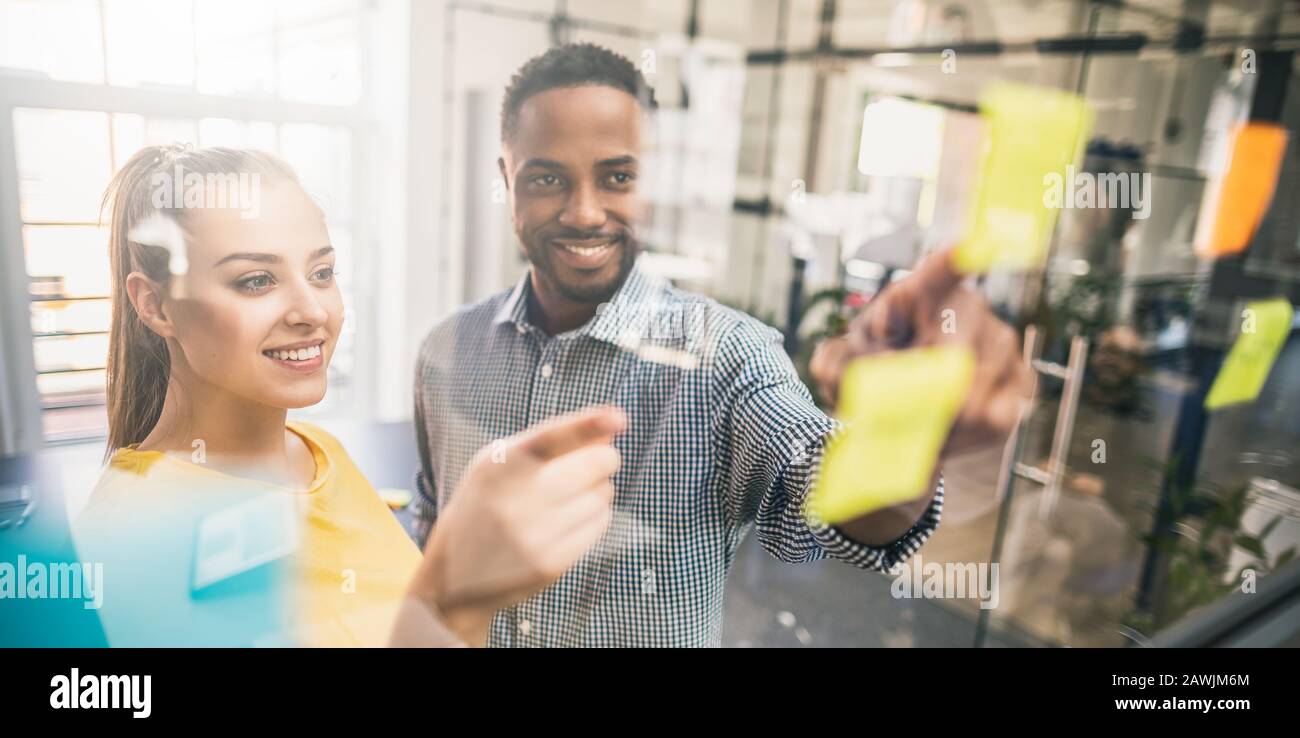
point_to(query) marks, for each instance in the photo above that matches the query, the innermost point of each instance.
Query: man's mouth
(299, 353)
(586, 253)
(586, 247)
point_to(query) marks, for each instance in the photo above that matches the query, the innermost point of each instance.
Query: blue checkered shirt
(722, 437)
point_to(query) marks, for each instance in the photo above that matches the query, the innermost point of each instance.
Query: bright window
(280, 50)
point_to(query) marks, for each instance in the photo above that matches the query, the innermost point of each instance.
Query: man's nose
(584, 210)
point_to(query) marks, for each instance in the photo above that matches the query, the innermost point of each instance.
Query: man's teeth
(302, 354)
(587, 250)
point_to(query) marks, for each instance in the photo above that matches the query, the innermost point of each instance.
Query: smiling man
(722, 437)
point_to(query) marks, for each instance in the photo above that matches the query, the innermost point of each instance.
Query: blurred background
(806, 154)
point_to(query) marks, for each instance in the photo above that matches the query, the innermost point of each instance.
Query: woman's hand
(525, 511)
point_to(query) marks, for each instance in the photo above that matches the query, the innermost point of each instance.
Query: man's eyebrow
(544, 164)
(617, 161)
(269, 258)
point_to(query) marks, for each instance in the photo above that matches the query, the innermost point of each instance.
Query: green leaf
(1251, 544)
(1284, 557)
(1269, 528)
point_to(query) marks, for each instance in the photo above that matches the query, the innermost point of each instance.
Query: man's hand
(524, 512)
(914, 312)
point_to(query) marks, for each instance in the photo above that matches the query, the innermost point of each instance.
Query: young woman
(225, 316)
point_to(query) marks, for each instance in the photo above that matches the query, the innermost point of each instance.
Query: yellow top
(193, 556)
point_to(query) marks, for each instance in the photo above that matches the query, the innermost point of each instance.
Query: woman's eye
(324, 274)
(255, 283)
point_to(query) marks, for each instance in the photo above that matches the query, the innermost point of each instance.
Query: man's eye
(546, 180)
(255, 283)
(622, 178)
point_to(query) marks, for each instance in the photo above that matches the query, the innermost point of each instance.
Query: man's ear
(501, 165)
(146, 297)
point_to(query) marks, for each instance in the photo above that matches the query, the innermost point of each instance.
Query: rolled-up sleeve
(771, 438)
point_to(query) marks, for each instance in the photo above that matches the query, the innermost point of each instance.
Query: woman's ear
(146, 297)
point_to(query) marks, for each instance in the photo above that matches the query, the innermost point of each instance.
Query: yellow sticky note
(1034, 135)
(897, 409)
(1265, 327)
(1240, 195)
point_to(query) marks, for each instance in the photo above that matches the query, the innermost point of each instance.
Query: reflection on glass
(64, 353)
(71, 423)
(321, 63)
(57, 38)
(67, 261)
(63, 316)
(63, 386)
(295, 13)
(238, 134)
(236, 49)
(140, 54)
(133, 132)
(63, 164)
(322, 156)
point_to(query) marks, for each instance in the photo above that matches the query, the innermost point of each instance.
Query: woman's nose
(307, 307)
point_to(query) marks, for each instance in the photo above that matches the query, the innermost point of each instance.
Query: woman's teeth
(302, 354)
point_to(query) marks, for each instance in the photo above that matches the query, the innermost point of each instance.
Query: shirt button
(525, 627)
(547, 371)
(519, 328)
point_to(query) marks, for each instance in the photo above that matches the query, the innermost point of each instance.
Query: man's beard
(590, 290)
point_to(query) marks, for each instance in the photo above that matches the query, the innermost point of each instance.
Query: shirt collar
(613, 318)
(515, 308)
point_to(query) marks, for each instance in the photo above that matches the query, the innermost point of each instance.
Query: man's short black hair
(572, 65)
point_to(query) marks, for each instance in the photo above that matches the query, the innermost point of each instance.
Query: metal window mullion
(20, 414)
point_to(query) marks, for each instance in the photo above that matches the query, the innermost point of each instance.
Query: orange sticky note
(1240, 195)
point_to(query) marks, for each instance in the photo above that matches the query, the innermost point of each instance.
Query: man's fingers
(936, 275)
(1000, 392)
(570, 474)
(894, 319)
(562, 534)
(827, 365)
(579, 539)
(595, 504)
(565, 433)
(887, 320)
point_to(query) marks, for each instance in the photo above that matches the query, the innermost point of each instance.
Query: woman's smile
(304, 357)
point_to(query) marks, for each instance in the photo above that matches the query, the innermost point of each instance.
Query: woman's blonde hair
(139, 366)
